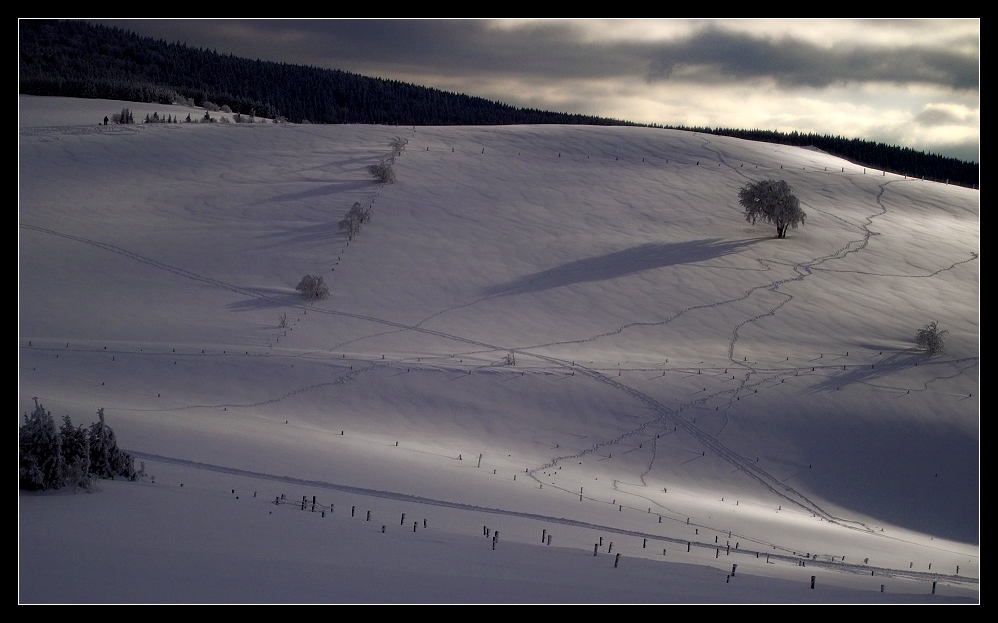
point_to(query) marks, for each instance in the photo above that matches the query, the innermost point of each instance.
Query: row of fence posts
(546, 538)
(353, 510)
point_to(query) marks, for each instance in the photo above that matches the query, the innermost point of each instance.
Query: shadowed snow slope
(543, 330)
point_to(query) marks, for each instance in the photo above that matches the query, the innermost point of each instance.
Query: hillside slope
(669, 356)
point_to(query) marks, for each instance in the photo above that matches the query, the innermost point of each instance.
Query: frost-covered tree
(357, 216)
(384, 171)
(106, 459)
(50, 458)
(398, 145)
(75, 454)
(39, 451)
(313, 287)
(350, 225)
(930, 339)
(774, 202)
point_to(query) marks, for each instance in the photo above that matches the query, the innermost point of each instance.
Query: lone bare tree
(774, 202)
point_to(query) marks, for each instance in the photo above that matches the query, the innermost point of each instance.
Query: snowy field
(544, 331)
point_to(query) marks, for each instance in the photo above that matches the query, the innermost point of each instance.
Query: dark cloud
(716, 55)
(382, 47)
(557, 50)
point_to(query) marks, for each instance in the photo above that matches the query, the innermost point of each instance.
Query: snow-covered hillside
(685, 385)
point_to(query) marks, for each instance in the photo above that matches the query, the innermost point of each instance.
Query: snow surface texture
(686, 386)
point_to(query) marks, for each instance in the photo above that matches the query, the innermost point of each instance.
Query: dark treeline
(79, 59)
(899, 160)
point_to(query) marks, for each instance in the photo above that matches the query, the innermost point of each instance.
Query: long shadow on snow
(920, 476)
(890, 364)
(621, 263)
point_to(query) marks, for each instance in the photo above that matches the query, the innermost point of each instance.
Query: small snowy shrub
(930, 339)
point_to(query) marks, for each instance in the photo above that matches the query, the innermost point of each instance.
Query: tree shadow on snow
(862, 373)
(268, 298)
(621, 264)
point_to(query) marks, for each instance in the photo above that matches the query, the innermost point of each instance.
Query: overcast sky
(914, 83)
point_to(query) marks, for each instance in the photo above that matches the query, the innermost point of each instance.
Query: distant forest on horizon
(79, 59)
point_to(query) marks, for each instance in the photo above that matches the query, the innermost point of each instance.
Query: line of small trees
(354, 219)
(50, 458)
(384, 171)
(125, 116)
(155, 118)
(313, 287)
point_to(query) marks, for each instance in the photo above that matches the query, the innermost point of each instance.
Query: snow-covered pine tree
(106, 460)
(39, 451)
(75, 454)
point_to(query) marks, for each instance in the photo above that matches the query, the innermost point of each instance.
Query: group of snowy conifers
(69, 456)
